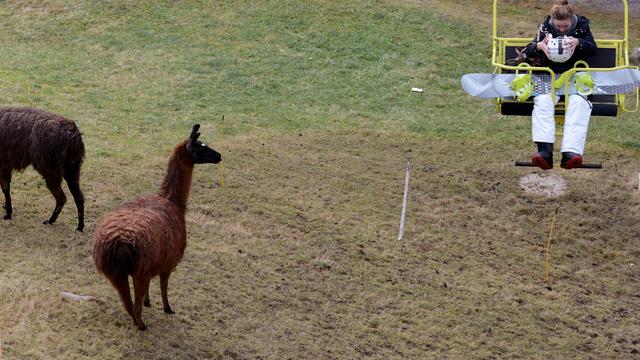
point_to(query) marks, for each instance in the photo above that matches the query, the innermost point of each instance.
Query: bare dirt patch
(544, 184)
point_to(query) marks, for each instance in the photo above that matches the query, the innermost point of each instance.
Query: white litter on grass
(73, 297)
(417, 90)
(544, 185)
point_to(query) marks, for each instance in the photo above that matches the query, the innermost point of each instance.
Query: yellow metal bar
(622, 67)
(626, 32)
(604, 43)
(495, 30)
(624, 104)
(531, 69)
(574, 70)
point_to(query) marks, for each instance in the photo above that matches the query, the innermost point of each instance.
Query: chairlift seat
(603, 105)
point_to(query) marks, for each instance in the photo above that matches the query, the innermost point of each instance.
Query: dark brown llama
(51, 144)
(147, 236)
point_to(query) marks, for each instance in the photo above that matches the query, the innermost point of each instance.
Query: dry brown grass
(297, 257)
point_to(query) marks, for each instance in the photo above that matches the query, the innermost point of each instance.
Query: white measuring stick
(404, 200)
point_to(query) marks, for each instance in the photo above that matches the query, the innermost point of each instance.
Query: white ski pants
(576, 122)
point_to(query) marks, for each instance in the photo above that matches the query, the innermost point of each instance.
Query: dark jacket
(580, 31)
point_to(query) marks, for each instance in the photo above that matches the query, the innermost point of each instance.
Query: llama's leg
(54, 185)
(146, 302)
(164, 282)
(140, 287)
(122, 285)
(5, 184)
(72, 176)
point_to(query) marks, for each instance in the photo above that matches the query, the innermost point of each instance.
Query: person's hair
(561, 10)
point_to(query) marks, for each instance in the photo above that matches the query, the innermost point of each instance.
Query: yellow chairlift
(612, 54)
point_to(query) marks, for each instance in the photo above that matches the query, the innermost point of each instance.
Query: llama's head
(198, 151)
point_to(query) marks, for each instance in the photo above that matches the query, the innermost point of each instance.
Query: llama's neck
(177, 182)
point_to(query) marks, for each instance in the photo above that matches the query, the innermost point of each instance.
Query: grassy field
(297, 256)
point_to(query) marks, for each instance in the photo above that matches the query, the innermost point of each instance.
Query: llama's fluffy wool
(50, 143)
(146, 237)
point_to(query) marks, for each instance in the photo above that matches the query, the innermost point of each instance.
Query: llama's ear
(194, 132)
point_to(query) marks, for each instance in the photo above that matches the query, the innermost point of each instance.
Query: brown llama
(52, 145)
(146, 237)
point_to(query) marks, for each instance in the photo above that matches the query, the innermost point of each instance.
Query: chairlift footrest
(583, 166)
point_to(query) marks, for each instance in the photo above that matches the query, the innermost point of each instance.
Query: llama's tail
(116, 258)
(75, 146)
(72, 165)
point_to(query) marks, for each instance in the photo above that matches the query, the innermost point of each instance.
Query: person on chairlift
(562, 39)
